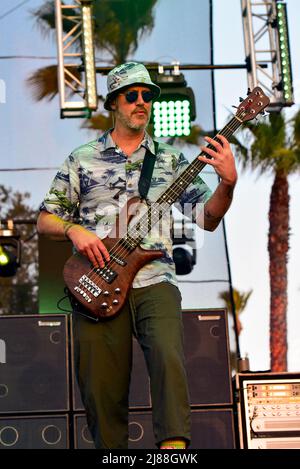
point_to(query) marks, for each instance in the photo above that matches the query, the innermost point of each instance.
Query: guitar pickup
(118, 260)
(107, 274)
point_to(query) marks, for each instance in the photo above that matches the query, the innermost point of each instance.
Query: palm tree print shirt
(97, 179)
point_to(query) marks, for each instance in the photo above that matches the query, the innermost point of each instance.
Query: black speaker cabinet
(82, 435)
(139, 429)
(33, 364)
(206, 350)
(139, 394)
(34, 432)
(211, 429)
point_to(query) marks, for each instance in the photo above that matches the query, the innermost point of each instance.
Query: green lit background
(52, 257)
(174, 111)
(283, 37)
(172, 118)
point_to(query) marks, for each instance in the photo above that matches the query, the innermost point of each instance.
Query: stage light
(10, 251)
(88, 55)
(174, 110)
(4, 257)
(184, 259)
(284, 52)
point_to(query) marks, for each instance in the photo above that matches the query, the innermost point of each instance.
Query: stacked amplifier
(40, 404)
(209, 379)
(34, 382)
(269, 410)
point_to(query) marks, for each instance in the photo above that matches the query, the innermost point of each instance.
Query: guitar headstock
(253, 105)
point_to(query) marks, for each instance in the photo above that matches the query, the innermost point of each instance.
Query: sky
(32, 127)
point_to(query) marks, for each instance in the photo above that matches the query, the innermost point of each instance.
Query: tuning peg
(241, 99)
(248, 92)
(235, 107)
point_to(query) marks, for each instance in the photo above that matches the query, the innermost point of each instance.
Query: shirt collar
(148, 143)
(106, 142)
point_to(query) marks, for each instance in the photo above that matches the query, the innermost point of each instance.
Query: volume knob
(104, 305)
(117, 290)
(115, 302)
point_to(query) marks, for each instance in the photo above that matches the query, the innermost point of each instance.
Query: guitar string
(187, 178)
(164, 199)
(119, 250)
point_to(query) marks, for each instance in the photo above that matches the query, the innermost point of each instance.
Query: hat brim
(113, 94)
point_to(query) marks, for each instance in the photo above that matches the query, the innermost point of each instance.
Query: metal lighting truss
(78, 94)
(263, 45)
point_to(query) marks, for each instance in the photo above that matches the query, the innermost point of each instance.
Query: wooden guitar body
(103, 292)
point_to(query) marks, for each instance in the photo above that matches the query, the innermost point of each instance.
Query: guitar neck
(156, 211)
(189, 174)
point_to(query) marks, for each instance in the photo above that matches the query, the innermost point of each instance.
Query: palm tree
(240, 302)
(118, 27)
(275, 148)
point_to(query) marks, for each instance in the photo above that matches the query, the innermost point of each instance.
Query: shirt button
(129, 161)
(129, 184)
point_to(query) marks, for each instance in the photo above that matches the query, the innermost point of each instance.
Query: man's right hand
(89, 245)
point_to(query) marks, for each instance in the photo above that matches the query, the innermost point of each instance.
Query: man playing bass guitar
(94, 181)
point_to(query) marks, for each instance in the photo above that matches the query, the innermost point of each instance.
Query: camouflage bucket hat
(125, 75)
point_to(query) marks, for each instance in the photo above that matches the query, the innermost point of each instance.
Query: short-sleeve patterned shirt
(97, 179)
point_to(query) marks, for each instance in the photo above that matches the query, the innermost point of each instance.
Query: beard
(130, 121)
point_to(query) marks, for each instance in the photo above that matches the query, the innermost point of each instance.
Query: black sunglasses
(132, 96)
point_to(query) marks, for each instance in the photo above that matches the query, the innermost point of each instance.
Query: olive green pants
(103, 359)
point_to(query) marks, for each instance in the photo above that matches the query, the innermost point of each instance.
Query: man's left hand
(222, 159)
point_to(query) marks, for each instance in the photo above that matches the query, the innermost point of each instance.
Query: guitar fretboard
(158, 209)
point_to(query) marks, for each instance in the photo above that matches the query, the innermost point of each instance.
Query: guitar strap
(147, 171)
